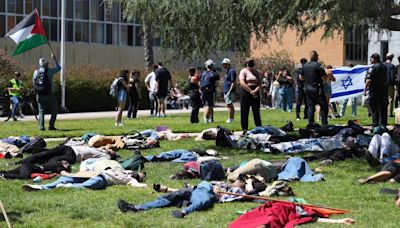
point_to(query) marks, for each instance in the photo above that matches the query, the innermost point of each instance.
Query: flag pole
(62, 56)
(5, 214)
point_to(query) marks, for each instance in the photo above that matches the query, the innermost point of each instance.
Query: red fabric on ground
(275, 215)
(44, 176)
(1, 156)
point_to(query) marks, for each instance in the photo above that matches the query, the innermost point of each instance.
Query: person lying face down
(25, 170)
(94, 181)
(71, 154)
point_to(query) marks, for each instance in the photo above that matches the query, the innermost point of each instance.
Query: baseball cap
(389, 55)
(209, 63)
(226, 61)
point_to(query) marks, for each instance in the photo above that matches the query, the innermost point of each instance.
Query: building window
(69, 8)
(46, 8)
(138, 36)
(82, 9)
(19, 6)
(97, 33)
(69, 31)
(124, 35)
(50, 28)
(28, 6)
(112, 14)
(109, 34)
(10, 22)
(81, 32)
(10, 6)
(130, 35)
(356, 43)
(97, 10)
(2, 6)
(2, 25)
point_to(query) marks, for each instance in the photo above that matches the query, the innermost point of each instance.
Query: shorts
(208, 99)
(392, 167)
(162, 94)
(122, 96)
(229, 97)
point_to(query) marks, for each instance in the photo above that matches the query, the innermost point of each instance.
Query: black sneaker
(126, 207)
(52, 129)
(373, 162)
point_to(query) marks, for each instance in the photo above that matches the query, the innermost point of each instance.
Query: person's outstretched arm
(347, 221)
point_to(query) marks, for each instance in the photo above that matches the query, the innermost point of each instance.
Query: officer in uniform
(313, 74)
(376, 86)
(14, 91)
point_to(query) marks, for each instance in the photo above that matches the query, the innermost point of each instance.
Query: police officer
(14, 88)
(313, 75)
(376, 84)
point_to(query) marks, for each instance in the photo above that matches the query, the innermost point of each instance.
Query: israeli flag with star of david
(350, 82)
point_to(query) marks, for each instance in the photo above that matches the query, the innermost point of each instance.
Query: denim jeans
(149, 133)
(286, 97)
(353, 106)
(94, 183)
(47, 101)
(15, 104)
(174, 156)
(297, 169)
(153, 103)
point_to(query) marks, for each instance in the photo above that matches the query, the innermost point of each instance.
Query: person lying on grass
(93, 180)
(392, 192)
(25, 170)
(191, 199)
(389, 172)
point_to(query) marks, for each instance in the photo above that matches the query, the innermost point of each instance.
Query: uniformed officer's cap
(376, 56)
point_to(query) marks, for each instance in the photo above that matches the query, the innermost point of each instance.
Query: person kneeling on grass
(192, 199)
(94, 180)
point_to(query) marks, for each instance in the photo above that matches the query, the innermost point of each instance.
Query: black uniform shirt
(377, 73)
(313, 73)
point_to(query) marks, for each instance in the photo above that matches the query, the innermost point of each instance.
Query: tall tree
(197, 28)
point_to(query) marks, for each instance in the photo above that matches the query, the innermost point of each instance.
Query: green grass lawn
(178, 123)
(87, 208)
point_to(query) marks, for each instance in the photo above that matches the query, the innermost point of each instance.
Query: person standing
(194, 93)
(14, 88)
(150, 83)
(328, 89)
(163, 78)
(45, 92)
(207, 87)
(397, 84)
(391, 70)
(229, 88)
(301, 96)
(265, 88)
(376, 85)
(122, 97)
(313, 75)
(134, 95)
(286, 90)
(345, 101)
(274, 91)
(250, 83)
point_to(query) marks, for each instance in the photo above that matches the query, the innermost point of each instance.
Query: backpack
(223, 138)
(211, 170)
(42, 83)
(135, 163)
(114, 87)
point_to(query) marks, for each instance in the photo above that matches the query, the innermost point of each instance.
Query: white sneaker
(210, 121)
(229, 121)
(297, 119)
(31, 187)
(61, 185)
(205, 120)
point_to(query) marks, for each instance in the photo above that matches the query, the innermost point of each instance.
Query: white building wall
(375, 44)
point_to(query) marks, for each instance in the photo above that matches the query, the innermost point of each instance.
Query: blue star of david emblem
(347, 83)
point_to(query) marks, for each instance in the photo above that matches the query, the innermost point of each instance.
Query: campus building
(385, 42)
(349, 46)
(95, 35)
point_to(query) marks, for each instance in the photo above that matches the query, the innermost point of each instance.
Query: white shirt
(152, 79)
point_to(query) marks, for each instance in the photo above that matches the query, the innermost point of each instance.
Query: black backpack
(211, 170)
(35, 146)
(42, 83)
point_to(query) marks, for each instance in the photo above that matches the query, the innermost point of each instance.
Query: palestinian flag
(28, 34)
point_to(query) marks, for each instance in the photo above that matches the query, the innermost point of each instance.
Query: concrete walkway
(111, 114)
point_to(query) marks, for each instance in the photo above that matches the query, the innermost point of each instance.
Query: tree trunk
(148, 45)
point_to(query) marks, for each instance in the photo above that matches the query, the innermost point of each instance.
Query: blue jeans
(149, 133)
(15, 104)
(353, 106)
(286, 97)
(173, 155)
(94, 183)
(47, 101)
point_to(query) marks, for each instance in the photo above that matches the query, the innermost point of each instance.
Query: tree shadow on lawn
(13, 216)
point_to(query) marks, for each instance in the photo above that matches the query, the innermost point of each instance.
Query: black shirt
(313, 73)
(297, 74)
(284, 82)
(162, 78)
(390, 73)
(378, 76)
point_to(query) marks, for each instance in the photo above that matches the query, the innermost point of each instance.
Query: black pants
(378, 106)
(23, 171)
(301, 97)
(316, 96)
(133, 107)
(178, 197)
(334, 155)
(196, 104)
(246, 101)
(59, 153)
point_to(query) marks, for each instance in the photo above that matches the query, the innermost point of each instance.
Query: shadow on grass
(14, 217)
